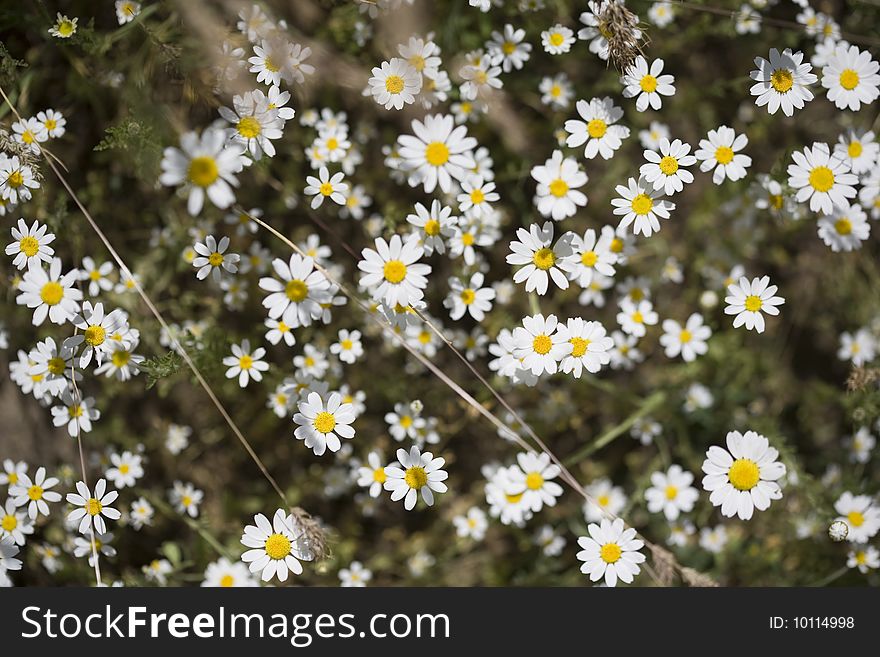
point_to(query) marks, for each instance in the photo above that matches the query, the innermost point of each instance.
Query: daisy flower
(859, 149)
(589, 346)
(126, 469)
(557, 194)
(665, 169)
(610, 551)
(645, 429)
(557, 40)
(720, 151)
(393, 272)
(743, 477)
(671, 492)
(16, 180)
(53, 122)
(556, 91)
(477, 196)
(395, 83)
(437, 154)
(531, 478)
(646, 84)
(123, 363)
(851, 78)
(97, 276)
(97, 334)
(713, 539)
(326, 186)
(640, 204)
(860, 445)
(30, 245)
(597, 129)
(213, 259)
(782, 82)
(319, 423)
(436, 224)
(276, 548)
(355, 575)
(35, 493)
(661, 14)
(538, 345)
(864, 560)
(298, 297)
(748, 300)
(50, 293)
(127, 11)
(473, 524)
(860, 348)
(861, 515)
(92, 509)
(846, 229)
(64, 27)
(52, 365)
(225, 574)
(689, 340)
(348, 348)
(11, 472)
(592, 257)
(75, 412)
(651, 137)
(822, 178)
(206, 165)
(508, 49)
(245, 364)
(532, 248)
(14, 524)
(254, 123)
(635, 316)
(415, 473)
(29, 132)
(186, 498)
(470, 297)
(372, 475)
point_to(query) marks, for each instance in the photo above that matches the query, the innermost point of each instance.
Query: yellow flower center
(52, 293)
(685, 336)
(379, 475)
(35, 493)
(648, 84)
(555, 91)
(9, 523)
(66, 28)
(432, 227)
(556, 39)
(782, 80)
(610, 552)
(596, 128)
(203, 171)
(227, 581)
(93, 506)
(13, 478)
(534, 481)
(270, 65)
(95, 335)
(28, 137)
(744, 474)
(418, 62)
(508, 47)
(249, 127)
(513, 499)
(477, 196)
(559, 188)
(406, 421)
(617, 244)
(668, 165)
(120, 358)
(723, 154)
(296, 290)
(15, 179)
(542, 344)
(855, 149)
(468, 296)
(637, 317)
(544, 258)
(245, 362)
(821, 179)
(642, 204)
(75, 411)
(753, 303)
(394, 271)
(579, 346)
(347, 345)
(124, 468)
(849, 79)
(855, 518)
(324, 422)
(394, 84)
(326, 189)
(467, 239)
(50, 124)
(277, 546)
(436, 153)
(671, 492)
(415, 477)
(29, 246)
(843, 226)
(56, 366)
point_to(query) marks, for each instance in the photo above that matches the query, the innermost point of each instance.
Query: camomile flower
(477, 197)
(665, 169)
(392, 270)
(661, 13)
(53, 122)
(11, 472)
(206, 165)
(646, 84)
(35, 493)
(860, 348)
(556, 91)
(651, 137)
(470, 297)
(212, 258)
(859, 149)
(348, 347)
(434, 225)
(92, 509)
(254, 123)
(538, 344)
(372, 475)
(592, 257)
(860, 445)
(97, 334)
(276, 548)
(671, 492)
(743, 477)
(413, 474)
(75, 412)
(223, 573)
(846, 229)
(611, 551)
(30, 245)
(123, 363)
(640, 205)
(782, 82)
(688, 341)
(355, 575)
(823, 179)
(861, 515)
(635, 316)
(126, 469)
(422, 54)
(14, 524)
(298, 297)
(531, 478)
(557, 40)
(437, 154)
(721, 153)
(541, 261)
(865, 560)
(321, 425)
(851, 78)
(246, 364)
(50, 294)
(589, 346)
(186, 498)
(16, 180)
(51, 367)
(508, 49)
(325, 186)
(472, 524)
(127, 11)
(29, 132)
(557, 195)
(645, 429)
(597, 129)
(748, 300)
(98, 276)
(395, 83)
(64, 27)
